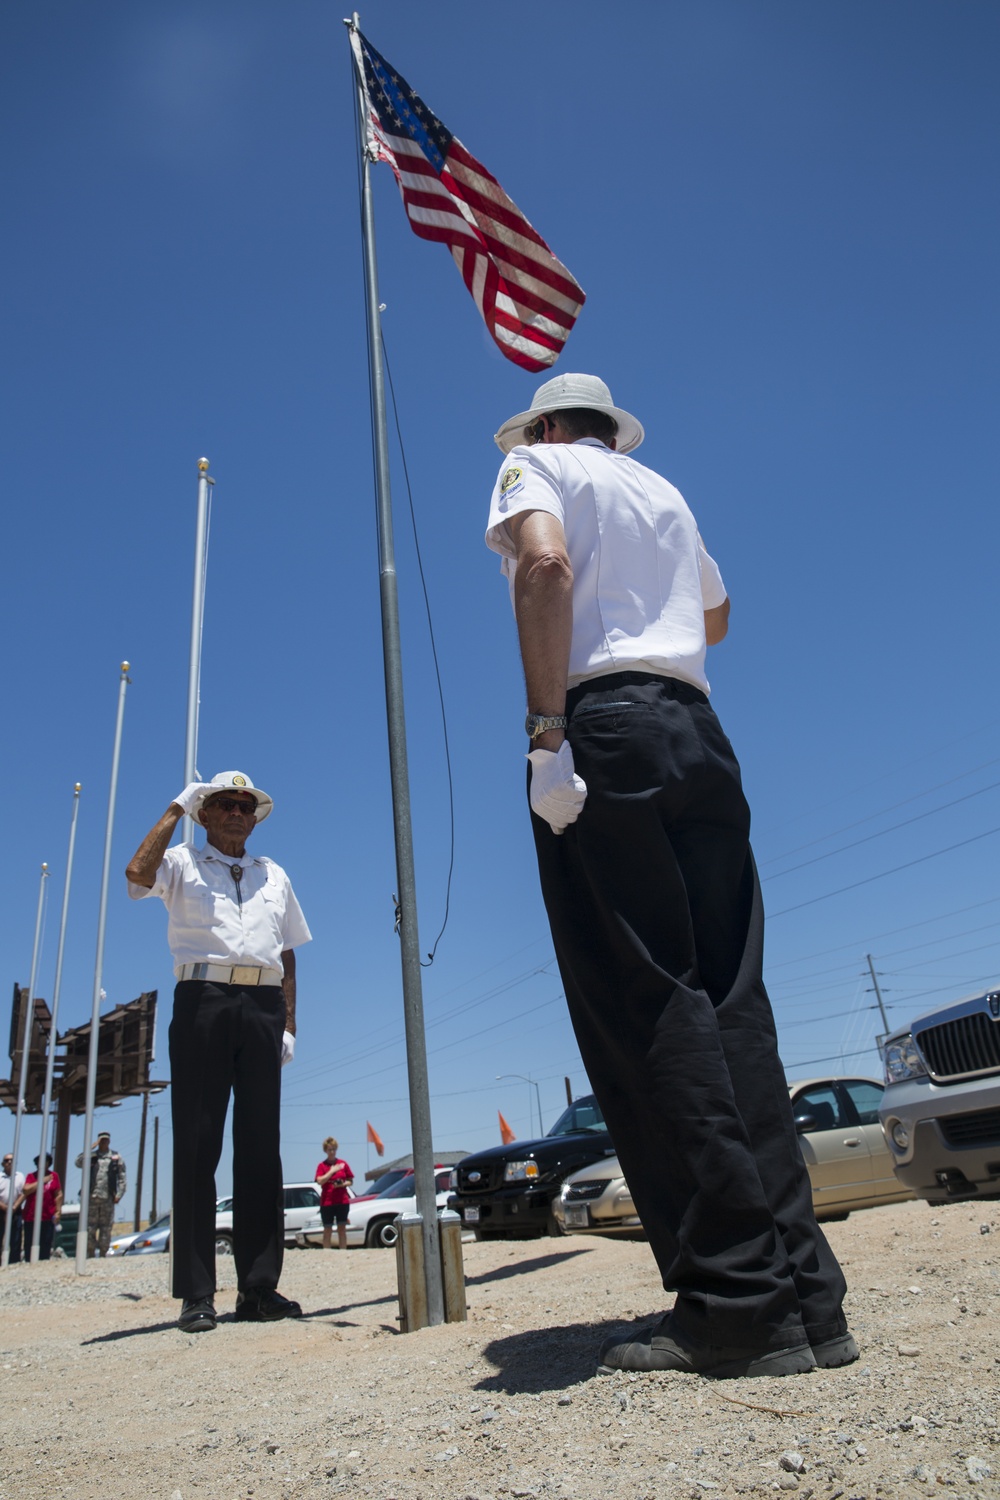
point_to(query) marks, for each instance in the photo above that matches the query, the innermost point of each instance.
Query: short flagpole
(95, 1009)
(197, 631)
(50, 1060)
(413, 1008)
(29, 1013)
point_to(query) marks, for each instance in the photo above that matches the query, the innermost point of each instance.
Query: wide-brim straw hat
(236, 781)
(563, 393)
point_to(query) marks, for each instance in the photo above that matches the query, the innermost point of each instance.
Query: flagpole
(29, 1012)
(413, 1009)
(197, 631)
(95, 1009)
(50, 1060)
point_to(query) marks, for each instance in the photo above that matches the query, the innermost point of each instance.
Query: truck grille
(962, 1048)
(978, 1128)
(487, 1176)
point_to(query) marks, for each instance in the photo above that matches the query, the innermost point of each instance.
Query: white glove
(557, 794)
(287, 1047)
(189, 797)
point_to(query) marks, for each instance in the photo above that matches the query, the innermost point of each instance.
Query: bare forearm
(146, 860)
(288, 986)
(543, 608)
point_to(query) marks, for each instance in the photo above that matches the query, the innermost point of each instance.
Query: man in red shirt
(334, 1177)
(52, 1202)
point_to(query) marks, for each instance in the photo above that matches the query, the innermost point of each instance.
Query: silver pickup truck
(941, 1108)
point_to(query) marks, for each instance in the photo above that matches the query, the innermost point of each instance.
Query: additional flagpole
(29, 1012)
(50, 1060)
(95, 1009)
(197, 630)
(413, 1008)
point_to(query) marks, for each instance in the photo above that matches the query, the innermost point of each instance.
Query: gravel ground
(103, 1397)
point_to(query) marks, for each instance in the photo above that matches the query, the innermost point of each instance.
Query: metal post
(197, 630)
(95, 1008)
(153, 1214)
(142, 1158)
(50, 1059)
(29, 1016)
(416, 1048)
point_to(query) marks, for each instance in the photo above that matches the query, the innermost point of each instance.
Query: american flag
(528, 299)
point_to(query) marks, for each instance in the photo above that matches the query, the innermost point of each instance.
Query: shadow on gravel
(128, 1333)
(519, 1268)
(226, 1318)
(546, 1359)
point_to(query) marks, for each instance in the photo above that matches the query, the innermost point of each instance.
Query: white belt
(245, 974)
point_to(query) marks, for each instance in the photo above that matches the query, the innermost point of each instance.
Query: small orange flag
(506, 1134)
(375, 1138)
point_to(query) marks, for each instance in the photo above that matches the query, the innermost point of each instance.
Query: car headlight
(902, 1061)
(453, 1180)
(520, 1171)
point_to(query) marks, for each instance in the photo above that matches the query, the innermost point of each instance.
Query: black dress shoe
(264, 1306)
(197, 1315)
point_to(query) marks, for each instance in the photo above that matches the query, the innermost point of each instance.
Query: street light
(525, 1079)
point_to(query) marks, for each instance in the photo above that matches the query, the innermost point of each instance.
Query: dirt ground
(104, 1398)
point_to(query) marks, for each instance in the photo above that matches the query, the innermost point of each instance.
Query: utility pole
(878, 997)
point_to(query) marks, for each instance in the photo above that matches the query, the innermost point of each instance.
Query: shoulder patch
(512, 477)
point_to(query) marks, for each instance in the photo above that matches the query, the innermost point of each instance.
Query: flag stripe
(526, 296)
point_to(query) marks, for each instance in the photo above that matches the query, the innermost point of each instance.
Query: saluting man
(642, 835)
(234, 923)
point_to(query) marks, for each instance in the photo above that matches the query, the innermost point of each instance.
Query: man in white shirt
(642, 836)
(11, 1199)
(234, 923)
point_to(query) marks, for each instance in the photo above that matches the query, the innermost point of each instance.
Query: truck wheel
(382, 1235)
(553, 1228)
(223, 1244)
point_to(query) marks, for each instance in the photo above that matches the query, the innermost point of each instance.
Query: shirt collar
(209, 851)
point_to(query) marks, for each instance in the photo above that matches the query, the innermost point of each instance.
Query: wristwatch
(536, 724)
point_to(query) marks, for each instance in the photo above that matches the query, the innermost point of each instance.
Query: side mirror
(805, 1123)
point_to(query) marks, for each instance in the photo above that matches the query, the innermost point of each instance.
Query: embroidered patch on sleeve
(513, 476)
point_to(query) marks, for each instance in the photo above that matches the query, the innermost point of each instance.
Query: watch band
(536, 724)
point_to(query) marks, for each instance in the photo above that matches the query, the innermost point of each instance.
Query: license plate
(577, 1216)
(470, 1215)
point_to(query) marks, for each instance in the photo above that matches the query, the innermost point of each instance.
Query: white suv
(301, 1204)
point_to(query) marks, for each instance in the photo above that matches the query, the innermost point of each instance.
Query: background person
(107, 1188)
(233, 926)
(11, 1189)
(642, 836)
(52, 1202)
(334, 1177)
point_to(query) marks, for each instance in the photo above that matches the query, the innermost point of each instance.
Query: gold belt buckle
(245, 975)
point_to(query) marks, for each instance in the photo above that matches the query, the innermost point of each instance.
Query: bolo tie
(236, 871)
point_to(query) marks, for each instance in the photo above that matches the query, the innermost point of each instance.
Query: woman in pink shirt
(334, 1177)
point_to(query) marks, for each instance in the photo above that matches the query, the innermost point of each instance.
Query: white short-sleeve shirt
(207, 923)
(642, 578)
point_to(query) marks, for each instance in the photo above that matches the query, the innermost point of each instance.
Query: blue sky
(785, 218)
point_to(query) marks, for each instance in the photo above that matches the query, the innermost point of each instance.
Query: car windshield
(583, 1116)
(386, 1181)
(402, 1189)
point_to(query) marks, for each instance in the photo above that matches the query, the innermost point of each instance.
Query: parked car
(156, 1237)
(508, 1192)
(69, 1223)
(849, 1163)
(941, 1106)
(301, 1204)
(372, 1221)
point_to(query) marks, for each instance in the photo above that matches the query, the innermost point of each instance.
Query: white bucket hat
(236, 781)
(563, 393)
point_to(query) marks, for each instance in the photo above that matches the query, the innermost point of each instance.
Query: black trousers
(224, 1040)
(46, 1236)
(658, 926)
(15, 1234)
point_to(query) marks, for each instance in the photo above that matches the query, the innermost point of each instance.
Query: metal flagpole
(197, 630)
(50, 1060)
(29, 1013)
(95, 1009)
(413, 1006)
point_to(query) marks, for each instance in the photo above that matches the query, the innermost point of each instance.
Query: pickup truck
(941, 1108)
(507, 1191)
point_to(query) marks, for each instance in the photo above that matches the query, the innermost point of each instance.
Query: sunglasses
(232, 804)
